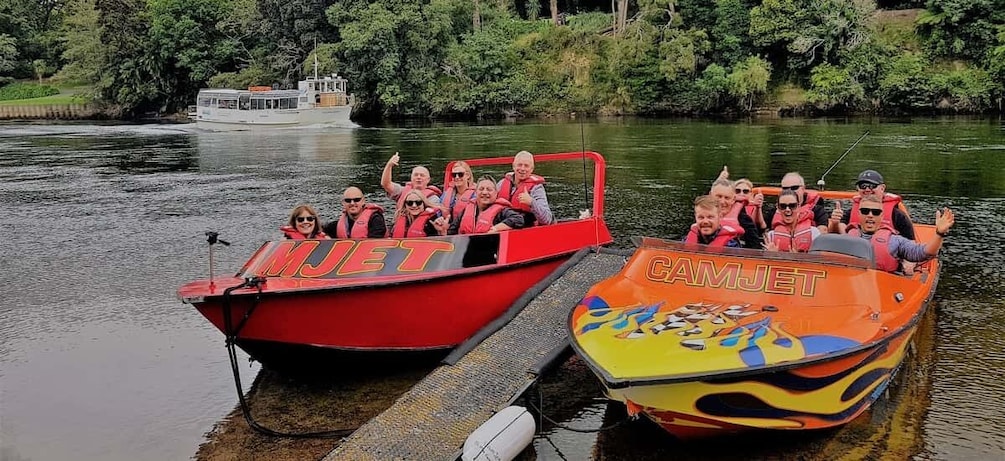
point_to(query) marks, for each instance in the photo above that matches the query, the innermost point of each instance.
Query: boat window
(204, 102)
(244, 102)
(284, 103)
(268, 104)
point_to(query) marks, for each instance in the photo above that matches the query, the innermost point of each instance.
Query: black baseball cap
(870, 176)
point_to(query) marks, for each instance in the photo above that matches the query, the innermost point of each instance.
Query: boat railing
(599, 171)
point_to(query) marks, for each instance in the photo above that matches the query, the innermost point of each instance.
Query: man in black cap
(871, 182)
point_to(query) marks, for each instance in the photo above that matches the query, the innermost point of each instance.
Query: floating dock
(432, 420)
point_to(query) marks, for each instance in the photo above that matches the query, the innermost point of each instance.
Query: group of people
(463, 206)
(733, 215)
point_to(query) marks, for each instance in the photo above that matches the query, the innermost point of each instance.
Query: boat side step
(432, 420)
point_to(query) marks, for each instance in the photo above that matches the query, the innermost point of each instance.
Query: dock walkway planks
(432, 420)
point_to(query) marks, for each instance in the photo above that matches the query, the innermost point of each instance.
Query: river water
(102, 223)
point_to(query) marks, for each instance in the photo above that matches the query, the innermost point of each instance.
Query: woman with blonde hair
(416, 217)
(303, 224)
(460, 191)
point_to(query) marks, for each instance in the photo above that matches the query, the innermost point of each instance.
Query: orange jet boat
(706, 341)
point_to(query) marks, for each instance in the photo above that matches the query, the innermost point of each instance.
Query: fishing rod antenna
(821, 183)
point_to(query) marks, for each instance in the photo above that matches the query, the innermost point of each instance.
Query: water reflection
(98, 360)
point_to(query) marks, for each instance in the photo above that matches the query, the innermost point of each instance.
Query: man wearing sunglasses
(359, 219)
(892, 250)
(419, 181)
(808, 201)
(870, 182)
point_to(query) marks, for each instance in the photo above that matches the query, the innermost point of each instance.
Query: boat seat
(843, 244)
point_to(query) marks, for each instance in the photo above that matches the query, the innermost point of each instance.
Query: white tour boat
(315, 101)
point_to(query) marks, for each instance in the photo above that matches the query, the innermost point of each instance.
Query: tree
(832, 87)
(81, 36)
(8, 53)
(392, 50)
(749, 80)
(803, 33)
(961, 28)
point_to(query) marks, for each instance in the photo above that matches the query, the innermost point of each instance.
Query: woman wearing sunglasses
(794, 231)
(416, 216)
(303, 224)
(460, 191)
(751, 201)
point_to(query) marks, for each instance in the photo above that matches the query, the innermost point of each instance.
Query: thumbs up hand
(838, 213)
(724, 174)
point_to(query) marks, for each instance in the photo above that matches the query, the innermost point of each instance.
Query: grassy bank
(68, 94)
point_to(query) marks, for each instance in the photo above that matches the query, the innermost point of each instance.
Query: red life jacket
(294, 234)
(801, 239)
(483, 222)
(880, 247)
(890, 201)
(811, 201)
(732, 218)
(416, 229)
(458, 206)
(751, 209)
(361, 227)
(429, 192)
(507, 192)
(725, 234)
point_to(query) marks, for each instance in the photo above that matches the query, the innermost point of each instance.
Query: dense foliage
(477, 58)
(26, 91)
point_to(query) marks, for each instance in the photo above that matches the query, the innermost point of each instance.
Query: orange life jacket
(890, 201)
(799, 240)
(416, 229)
(723, 236)
(361, 227)
(293, 234)
(510, 194)
(457, 206)
(880, 247)
(430, 191)
(732, 218)
(470, 224)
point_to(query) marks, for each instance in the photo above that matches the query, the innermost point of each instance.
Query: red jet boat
(386, 299)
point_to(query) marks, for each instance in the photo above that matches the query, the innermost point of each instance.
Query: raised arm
(385, 177)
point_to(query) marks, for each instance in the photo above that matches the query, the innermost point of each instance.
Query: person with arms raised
(890, 249)
(733, 214)
(870, 182)
(419, 181)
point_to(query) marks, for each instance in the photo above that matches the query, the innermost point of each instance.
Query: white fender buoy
(502, 437)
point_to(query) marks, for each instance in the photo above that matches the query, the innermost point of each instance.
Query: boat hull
(213, 119)
(818, 396)
(409, 316)
(713, 341)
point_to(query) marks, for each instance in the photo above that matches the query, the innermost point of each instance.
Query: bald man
(359, 219)
(418, 181)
